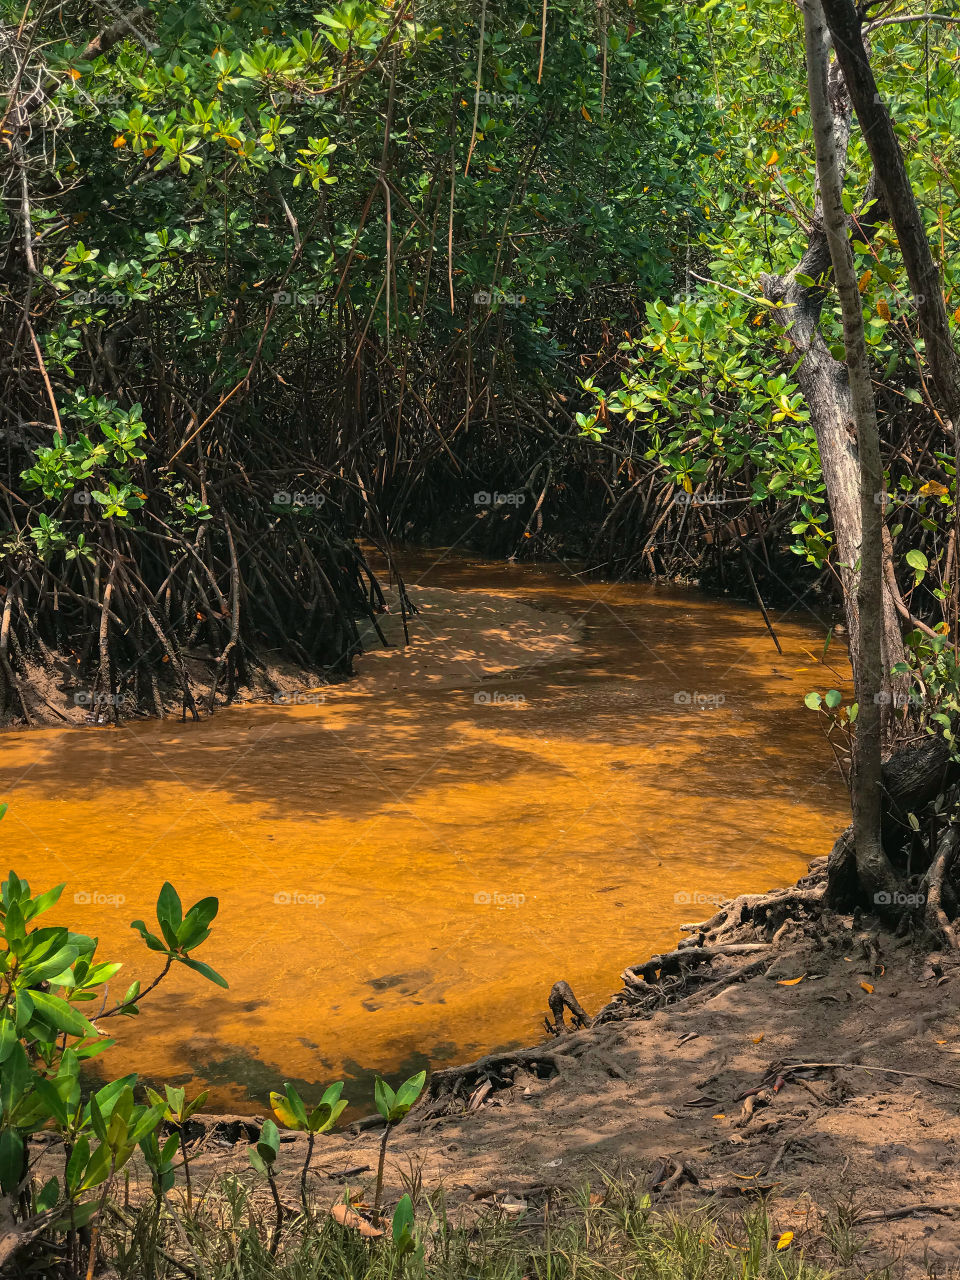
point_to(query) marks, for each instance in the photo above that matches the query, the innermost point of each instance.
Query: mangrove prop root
(561, 997)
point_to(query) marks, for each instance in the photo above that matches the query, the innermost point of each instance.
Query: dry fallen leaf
(721, 1115)
(791, 982)
(757, 1039)
(784, 1239)
(343, 1214)
(867, 987)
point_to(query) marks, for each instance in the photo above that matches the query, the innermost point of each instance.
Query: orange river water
(546, 784)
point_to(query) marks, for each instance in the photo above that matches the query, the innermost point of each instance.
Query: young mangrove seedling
(159, 1161)
(263, 1157)
(177, 1111)
(292, 1111)
(393, 1107)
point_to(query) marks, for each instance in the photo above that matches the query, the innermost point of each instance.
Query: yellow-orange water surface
(552, 779)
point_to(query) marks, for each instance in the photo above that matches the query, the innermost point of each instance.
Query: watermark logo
(88, 698)
(690, 98)
(299, 699)
(491, 698)
(499, 899)
(486, 297)
(484, 499)
(904, 498)
(294, 898)
(282, 298)
(695, 898)
(282, 498)
(485, 99)
(897, 699)
(701, 700)
(91, 298)
(684, 499)
(94, 898)
(898, 899)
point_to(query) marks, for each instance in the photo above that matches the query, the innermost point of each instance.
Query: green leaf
(199, 967)
(403, 1223)
(15, 1079)
(48, 1195)
(833, 698)
(152, 941)
(813, 701)
(269, 1144)
(296, 1103)
(57, 1013)
(384, 1097)
(8, 1038)
(169, 913)
(97, 1120)
(77, 1162)
(11, 1160)
(410, 1090)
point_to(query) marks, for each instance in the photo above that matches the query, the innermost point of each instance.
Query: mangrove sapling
(159, 1161)
(176, 1112)
(393, 1107)
(291, 1111)
(263, 1157)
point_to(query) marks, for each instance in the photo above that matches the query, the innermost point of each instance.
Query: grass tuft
(614, 1234)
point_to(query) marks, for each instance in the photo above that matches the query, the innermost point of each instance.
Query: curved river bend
(547, 784)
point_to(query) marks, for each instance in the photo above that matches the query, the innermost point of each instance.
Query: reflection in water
(554, 778)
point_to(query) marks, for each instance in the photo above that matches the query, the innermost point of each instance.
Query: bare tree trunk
(873, 867)
(826, 390)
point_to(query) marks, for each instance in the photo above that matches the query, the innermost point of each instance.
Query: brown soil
(871, 1129)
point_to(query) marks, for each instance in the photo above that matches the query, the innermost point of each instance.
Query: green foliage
(291, 1109)
(394, 1106)
(403, 1227)
(707, 393)
(263, 1154)
(182, 933)
(47, 975)
(252, 222)
(933, 672)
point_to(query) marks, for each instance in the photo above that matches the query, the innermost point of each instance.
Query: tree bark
(823, 381)
(873, 867)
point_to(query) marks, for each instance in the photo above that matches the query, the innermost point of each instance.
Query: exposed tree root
(451, 1088)
(562, 997)
(939, 870)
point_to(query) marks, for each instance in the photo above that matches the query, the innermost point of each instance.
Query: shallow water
(547, 786)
